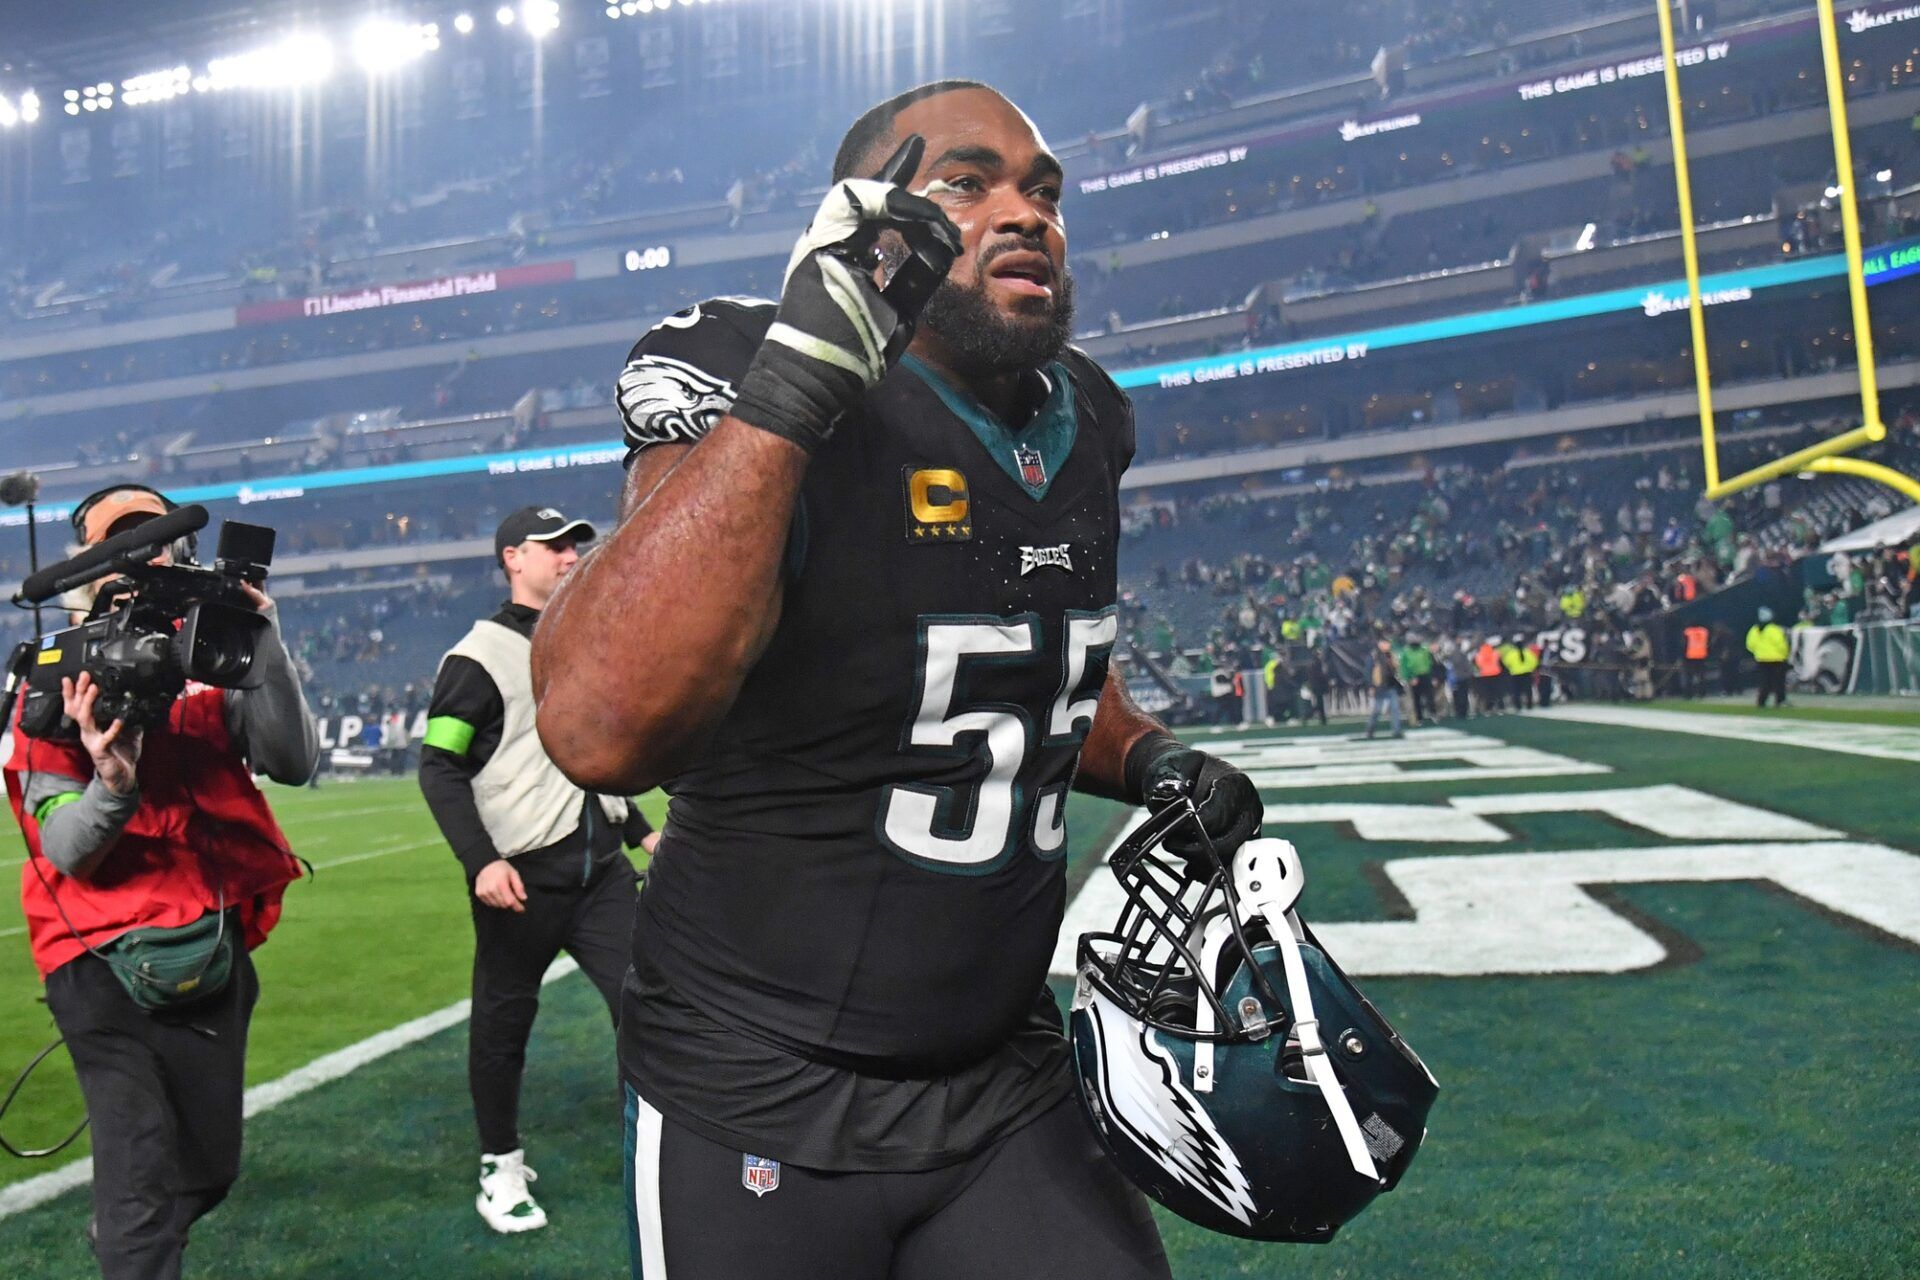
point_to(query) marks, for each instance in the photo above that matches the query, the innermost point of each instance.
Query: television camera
(153, 627)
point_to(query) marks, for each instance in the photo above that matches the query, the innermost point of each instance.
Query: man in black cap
(543, 857)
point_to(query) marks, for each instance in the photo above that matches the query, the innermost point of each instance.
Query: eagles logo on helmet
(1232, 1070)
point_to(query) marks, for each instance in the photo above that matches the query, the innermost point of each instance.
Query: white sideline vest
(525, 802)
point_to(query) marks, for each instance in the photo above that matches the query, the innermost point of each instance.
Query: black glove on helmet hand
(1160, 769)
(836, 332)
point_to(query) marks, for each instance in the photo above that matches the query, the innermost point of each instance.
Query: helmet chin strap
(1267, 879)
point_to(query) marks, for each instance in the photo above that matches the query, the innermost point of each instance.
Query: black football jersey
(865, 865)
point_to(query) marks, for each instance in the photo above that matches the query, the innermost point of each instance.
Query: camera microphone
(138, 544)
(19, 488)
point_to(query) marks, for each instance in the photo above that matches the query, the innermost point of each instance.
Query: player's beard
(981, 339)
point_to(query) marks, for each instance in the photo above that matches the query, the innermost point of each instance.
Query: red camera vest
(202, 835)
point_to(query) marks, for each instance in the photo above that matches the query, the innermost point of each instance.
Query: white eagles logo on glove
(667, 401)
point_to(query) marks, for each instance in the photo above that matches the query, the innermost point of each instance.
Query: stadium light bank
(378, 46)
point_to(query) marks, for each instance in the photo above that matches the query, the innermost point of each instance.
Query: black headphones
(185, 550)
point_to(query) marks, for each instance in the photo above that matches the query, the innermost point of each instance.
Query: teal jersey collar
(1046, 442)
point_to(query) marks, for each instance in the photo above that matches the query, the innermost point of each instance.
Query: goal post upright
(1683, 186)
(1820, 457)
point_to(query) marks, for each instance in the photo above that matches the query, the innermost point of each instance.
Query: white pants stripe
(646, 1190)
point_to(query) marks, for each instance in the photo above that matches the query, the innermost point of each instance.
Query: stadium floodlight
(73, 108)
(540, 16)
(381, 44)
(8, 116)
(91, 104)
(297, 60)
(155, 86)
(613, 11)
(463, 23)
(73, 95)
(504, 15)
(29, 106)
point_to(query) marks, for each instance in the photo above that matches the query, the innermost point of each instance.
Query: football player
(858, 618)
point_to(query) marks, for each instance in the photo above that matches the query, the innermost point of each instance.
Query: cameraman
(156, 831)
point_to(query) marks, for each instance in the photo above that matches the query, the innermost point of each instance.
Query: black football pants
(593, 923)
(163, 1093)
(1044, 1203)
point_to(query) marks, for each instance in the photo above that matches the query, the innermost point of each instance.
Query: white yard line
(1881, 741)
(36, 1191)
(328, 815)
(374, 853)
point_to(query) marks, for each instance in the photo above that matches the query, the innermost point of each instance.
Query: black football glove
(1162, 771)
(837, 332)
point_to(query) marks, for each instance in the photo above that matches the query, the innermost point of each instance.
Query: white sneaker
(504, 1200)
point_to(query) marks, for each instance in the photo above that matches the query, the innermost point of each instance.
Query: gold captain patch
(937, 506)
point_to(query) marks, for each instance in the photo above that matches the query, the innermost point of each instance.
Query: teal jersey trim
(1051, 433)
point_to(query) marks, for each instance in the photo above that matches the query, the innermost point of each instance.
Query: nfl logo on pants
(759, 1174)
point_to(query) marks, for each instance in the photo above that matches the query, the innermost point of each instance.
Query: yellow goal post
(1824, 456)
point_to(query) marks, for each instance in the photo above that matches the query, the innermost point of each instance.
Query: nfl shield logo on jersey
(759, 1174)
(1033, 468)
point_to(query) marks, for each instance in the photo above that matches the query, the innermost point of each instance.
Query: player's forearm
(1118, 725)
(644, 648)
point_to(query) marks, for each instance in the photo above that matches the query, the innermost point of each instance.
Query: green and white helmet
(1234, 1072)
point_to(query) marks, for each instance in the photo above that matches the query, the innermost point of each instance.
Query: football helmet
(1233, 1071)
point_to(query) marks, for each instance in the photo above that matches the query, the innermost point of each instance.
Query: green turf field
(1743, 1109)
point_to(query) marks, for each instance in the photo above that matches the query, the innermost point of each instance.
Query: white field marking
(287, 820)
(326, 815)
(1096, 906)
(315, 812)
(1418, 823)
(1679, 813)
(1881, 741)
(1280, 764)
(373, 853)
(318, 866)
(1530, 913)
(325, 1069)
(1295, 752)
(1475, 766)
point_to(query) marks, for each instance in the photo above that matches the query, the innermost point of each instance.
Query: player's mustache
(1020, 244)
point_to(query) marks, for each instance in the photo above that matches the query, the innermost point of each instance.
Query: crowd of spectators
(1464, 551)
